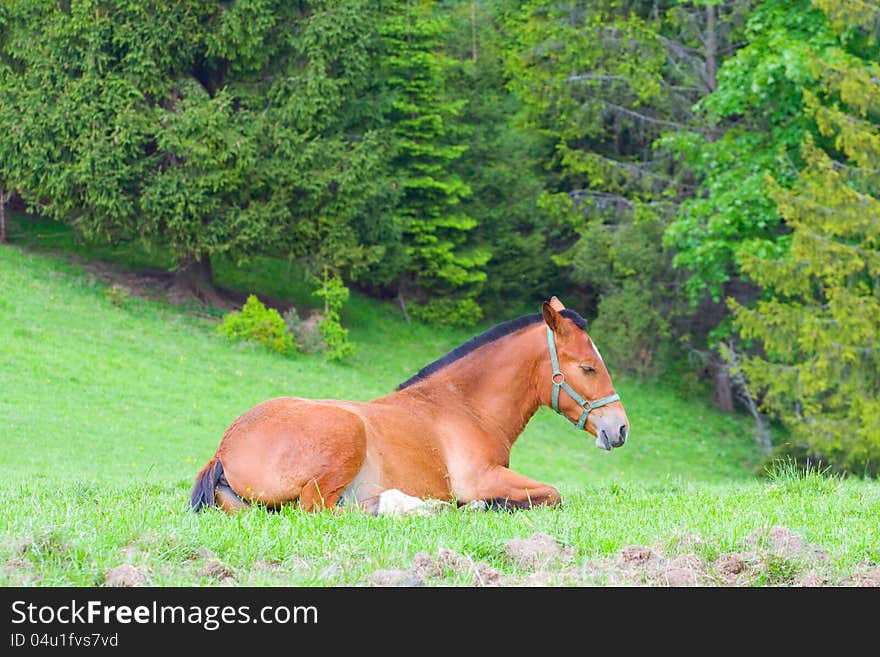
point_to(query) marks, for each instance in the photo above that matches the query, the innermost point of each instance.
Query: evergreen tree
(501, 163)
(210, 128)
(81, 92)
(819, 319)
(444, 270)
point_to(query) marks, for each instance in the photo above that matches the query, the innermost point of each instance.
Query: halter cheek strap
(558, 379)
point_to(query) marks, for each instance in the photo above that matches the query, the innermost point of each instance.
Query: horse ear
(556, 303)
(552, 317)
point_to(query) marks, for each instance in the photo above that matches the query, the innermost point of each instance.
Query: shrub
(256, 323)
(335, 294)
(117, 295)
(461, 313)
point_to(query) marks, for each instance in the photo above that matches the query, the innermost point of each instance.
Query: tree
(10, 153)
(199, 201)
(501, 163)
(208, 128)
(444, 270)
(756, 119)
(817, 321)
(603, 82)
(79, 98)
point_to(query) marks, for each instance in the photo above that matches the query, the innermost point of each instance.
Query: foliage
(602, 82)
(209, 128)
(335, 294)
(818, 320)
(117, 295)
(501, 164)
(441, 263)
(256, 323)
(756, 121)
(197, 202)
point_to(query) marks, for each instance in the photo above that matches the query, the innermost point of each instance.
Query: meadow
(109, 405)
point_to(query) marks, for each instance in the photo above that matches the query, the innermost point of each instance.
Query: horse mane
(491, 335)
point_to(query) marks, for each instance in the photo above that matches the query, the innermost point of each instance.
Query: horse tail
(206, 482)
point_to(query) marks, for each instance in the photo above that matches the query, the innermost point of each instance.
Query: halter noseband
(558, 379)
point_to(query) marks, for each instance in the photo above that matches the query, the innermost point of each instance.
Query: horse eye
(589, 369)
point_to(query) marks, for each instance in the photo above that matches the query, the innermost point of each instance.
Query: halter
(558, 379)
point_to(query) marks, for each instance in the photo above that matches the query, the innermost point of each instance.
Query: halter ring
(561, 380)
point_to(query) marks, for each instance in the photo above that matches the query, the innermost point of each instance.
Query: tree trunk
(762, 434)
(402, 301)
(474, 31)
(711, 48)
(4, 198)
(723, 389)
(194, 278)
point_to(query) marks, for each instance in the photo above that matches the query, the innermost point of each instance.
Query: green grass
(74, 534)
(108, 412)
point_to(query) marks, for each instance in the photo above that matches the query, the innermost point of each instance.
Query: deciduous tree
(818, 322)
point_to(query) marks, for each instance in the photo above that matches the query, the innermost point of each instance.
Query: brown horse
(446, 433)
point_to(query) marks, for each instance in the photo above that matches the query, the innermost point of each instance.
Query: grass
(74, 534)
(111, 405)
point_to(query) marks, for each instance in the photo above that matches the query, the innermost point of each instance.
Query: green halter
(558, 379)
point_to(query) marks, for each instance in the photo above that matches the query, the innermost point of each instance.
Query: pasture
(109, 407)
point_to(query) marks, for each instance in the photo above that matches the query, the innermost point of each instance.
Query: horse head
(580, 386)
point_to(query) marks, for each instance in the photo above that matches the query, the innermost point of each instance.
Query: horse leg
(324, 492)
(227, 499)
(308, 453)
(505, 489)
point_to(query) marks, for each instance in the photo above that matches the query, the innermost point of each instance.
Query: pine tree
(444, 271)
(501, 164)
(819, 321)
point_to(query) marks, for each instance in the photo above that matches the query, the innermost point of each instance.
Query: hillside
(109, 410)
(143, 391)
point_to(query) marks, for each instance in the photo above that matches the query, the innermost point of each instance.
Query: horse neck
(496, 384)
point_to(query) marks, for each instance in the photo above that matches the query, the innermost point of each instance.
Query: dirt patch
(449, 562)
(266, 565)
(812, 579)
(44, 544)
(537, 551)
(391, 577)
(644, 566)
(217, 570)
(124, 575)
(733, 568)
(162, 285)
(684, 570)
(21, 571)
(866, 575)
(637, 554)
(426, 568)
(149, 284)
(783, 543)
(730, 565)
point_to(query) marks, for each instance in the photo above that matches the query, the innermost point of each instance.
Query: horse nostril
(622, 433)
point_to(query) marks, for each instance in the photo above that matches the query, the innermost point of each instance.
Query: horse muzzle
(608, 437)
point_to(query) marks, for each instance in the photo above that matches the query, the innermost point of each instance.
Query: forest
(700, 178)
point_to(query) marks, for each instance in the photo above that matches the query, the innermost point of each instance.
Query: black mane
(494, 333)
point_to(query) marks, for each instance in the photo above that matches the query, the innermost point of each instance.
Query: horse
(445, 433)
